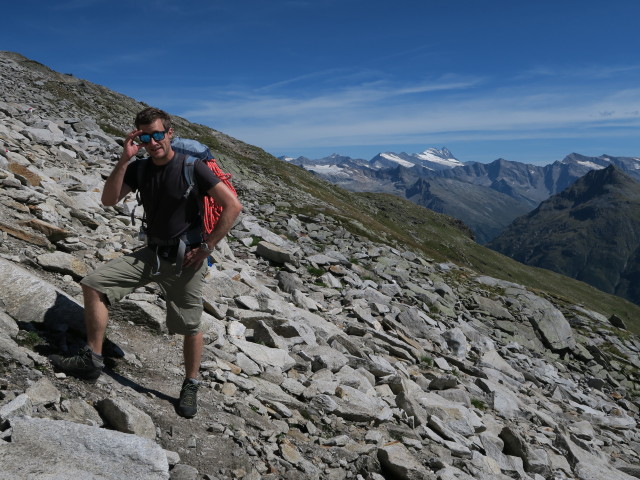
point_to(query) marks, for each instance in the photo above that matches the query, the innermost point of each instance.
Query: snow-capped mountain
(334, 165)
(631, 165)
(431, 159)
(339, 165)
(485, 196)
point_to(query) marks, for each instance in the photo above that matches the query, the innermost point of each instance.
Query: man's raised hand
(130, 148)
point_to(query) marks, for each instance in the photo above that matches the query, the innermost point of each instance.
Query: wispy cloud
(301, 78)
(349, 100)
(591, 72)
(437, 110)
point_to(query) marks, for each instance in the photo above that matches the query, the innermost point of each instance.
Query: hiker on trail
(175, 241)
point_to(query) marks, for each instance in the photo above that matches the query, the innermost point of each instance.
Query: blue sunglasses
(157, 136)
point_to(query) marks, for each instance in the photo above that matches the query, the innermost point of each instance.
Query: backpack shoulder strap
(189, 176)
(142, 166)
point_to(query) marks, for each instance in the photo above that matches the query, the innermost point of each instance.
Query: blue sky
(522, 80)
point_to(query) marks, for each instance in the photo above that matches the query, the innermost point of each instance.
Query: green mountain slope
(590, 232)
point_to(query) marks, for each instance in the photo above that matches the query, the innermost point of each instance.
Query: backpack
(194, 150)
(210, 211)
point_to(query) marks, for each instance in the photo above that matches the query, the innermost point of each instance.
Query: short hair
(150, 115)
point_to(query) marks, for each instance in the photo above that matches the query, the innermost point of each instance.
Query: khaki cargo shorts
(183, 293)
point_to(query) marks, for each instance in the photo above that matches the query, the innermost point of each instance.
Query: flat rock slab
(265, 355)
(44, 449)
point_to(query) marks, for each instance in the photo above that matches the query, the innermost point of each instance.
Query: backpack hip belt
(190, 238)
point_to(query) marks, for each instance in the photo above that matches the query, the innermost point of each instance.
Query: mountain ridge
(503, 182)
(590, 231)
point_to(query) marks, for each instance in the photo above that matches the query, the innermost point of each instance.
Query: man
(170, 218)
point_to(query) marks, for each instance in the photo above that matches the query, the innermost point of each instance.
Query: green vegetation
(255, 240)
(316, 272)
(428, 361)
(479, 404)
(28, 339)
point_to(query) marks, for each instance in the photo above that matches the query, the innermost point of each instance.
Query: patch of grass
(255, 240)
(611, 349)
(316, 272)
(479, 404)
(28, 339)
(426, 361)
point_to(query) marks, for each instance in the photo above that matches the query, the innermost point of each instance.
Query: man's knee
(90, 295)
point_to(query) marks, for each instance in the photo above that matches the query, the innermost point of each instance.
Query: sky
(528, 81)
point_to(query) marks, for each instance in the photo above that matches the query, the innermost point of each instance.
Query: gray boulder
(43, 449)
(32, 299)
(396, 459)
(126, 418)
(548, 320)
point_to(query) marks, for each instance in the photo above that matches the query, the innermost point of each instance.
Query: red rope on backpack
(211, 209)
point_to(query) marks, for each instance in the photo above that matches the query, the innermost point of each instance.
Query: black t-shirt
(168, 213)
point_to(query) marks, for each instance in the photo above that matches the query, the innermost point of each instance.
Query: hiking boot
(188, 403)
(111, 349)
(86, 364)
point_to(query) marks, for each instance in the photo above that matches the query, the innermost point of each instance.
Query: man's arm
(231, 208)
(114, 187)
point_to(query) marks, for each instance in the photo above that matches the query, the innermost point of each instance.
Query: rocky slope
(329, 355)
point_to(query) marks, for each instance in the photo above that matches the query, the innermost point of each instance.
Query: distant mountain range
(486, 197)
(590, 232)
(432, 159)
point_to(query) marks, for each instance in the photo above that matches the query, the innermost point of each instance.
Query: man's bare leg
(88, 362)
(96, 316)
(192, 350)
